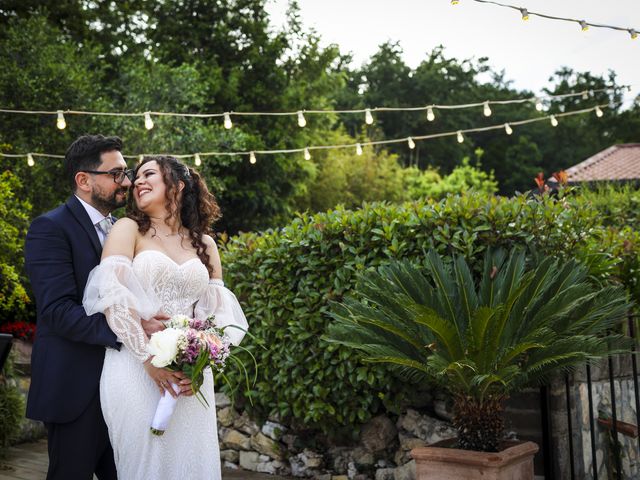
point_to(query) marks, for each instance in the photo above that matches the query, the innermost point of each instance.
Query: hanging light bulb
(539, 106)
(368, 118)
(302, 122)
(508, 129)
(30, 160)
(554, 121)
(460, 137)
(599, 112)
(140, 158)
(358, 149)
(633, 34)
(227, 121)
(148, 122)
(411, 143)
(252, 158)
(584, 26)
(60, 122)
(585, 95)
(486, 109)
(307, 155)
(525, 14)
(430, 115)
(197, 161)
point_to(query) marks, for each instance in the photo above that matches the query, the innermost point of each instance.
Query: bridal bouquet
(187, 345)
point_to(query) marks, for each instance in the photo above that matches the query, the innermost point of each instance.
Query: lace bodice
(128, 292)
(177, 286)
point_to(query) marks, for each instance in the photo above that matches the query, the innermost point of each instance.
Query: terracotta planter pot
(436, 462)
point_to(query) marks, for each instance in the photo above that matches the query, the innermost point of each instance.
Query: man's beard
(108, 202)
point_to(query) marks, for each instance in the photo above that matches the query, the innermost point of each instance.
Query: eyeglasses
(118, 175)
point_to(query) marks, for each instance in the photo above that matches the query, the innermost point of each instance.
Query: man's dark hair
(84, 154)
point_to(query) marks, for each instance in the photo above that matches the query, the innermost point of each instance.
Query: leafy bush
(286, 278)
(11, 408)
(14, 215)
(619, 205)
(462, 179)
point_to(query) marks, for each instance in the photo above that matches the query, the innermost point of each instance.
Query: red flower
(561, 177)
(540, 181)
(19, 329)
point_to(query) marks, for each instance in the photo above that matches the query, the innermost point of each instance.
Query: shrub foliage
(286, 279)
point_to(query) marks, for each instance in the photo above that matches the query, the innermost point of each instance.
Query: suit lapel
(81, 215)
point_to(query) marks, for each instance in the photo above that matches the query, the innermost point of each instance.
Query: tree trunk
(480, 424)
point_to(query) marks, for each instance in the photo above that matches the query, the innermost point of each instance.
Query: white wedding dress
(128, 291)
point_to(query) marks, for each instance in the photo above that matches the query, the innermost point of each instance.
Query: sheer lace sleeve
(114, 289)
(220, 301)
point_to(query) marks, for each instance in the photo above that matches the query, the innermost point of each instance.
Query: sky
(529, 52)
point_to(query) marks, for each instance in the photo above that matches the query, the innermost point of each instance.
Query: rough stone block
(378, 433)
(266, 446)
(222, 400)
(362, 457)
(429, 429)
(385, 474)
(245, 424)
(249, 460)
(406, 471)
(409, 442)
(230, 465)
(226, 416)
(273, 430)
(229, 456)
(236, 440)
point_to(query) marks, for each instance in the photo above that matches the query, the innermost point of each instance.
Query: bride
(157, 261)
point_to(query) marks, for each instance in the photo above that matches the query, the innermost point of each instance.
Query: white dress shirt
(96, 217)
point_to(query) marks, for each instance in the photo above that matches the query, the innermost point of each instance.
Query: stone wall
(382, 452)
(30, 430)
(581, 428)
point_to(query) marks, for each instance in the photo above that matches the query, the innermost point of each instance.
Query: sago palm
(480, 340)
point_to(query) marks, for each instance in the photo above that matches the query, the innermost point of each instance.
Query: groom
(62, 247)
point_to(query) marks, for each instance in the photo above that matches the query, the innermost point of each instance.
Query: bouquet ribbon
(164, 410)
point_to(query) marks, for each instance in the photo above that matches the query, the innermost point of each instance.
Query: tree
(522, 162)
(42, 71)
(579, 137)
(46, 69)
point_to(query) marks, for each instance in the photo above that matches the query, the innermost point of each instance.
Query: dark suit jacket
(61, 248)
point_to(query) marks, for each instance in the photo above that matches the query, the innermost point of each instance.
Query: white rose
(163, 346)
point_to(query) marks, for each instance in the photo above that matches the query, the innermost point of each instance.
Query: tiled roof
(618, 162)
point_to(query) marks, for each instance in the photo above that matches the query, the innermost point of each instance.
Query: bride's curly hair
(197, 207)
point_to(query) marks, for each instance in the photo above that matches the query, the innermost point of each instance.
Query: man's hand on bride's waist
(155, 324)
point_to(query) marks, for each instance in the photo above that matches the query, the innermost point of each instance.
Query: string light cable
(459, 134)
(584, 25)
(299, 114)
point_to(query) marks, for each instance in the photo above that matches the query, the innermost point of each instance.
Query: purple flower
(192, 348)
(197, 324)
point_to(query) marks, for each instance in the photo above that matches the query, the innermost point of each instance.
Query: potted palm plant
(481, 340)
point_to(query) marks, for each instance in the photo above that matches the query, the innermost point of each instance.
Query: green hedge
(619, 205)
(285, 280)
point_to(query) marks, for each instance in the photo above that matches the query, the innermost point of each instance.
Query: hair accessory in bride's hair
(185, 171)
